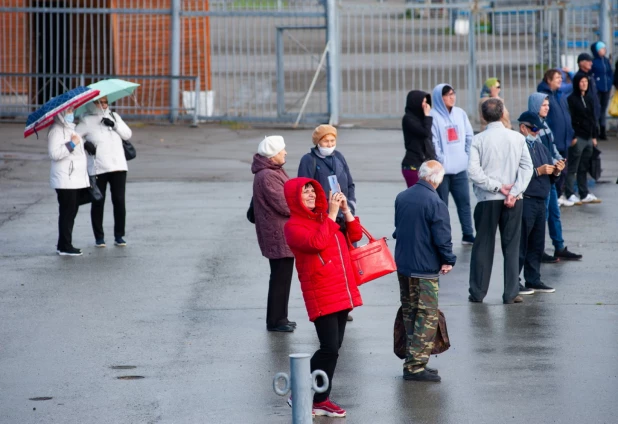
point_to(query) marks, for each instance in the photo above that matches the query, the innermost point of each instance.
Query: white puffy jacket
(110, 153)
(68, 167)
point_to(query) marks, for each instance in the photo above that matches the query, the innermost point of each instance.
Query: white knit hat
(271, 146)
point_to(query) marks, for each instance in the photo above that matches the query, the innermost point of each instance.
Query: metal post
(301, 382)
(472, 60)
(605, 27)
(280, 74)
(175, 58)
(196, 102)
(332, 65)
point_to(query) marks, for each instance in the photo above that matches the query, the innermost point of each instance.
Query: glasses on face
(103, 102)
(498, 87)
(533, 128)
(451, 94)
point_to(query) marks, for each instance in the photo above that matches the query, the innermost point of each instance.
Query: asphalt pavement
(183, 305)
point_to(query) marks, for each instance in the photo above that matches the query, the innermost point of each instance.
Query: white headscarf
(59, 119)
(93, 109)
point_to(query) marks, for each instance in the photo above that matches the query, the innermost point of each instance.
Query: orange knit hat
(323, 130)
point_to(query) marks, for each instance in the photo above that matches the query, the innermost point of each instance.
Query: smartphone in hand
(334, 184)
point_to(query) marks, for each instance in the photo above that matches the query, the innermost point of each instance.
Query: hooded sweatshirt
(270, 208)
(582, 110)
(558, 119)
(325, 271)
(416, 127)
(452, 134)
(601, 70)
(68, 166)
(108, 141)
(535, 101)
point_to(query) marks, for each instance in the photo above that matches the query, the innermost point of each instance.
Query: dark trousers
(579, 162)
(532, 241)
(489, 216)
(330, 329)
(117, 185)
(410, 176)
(604, 100)
(458, 186)
(281, 271)
(67, 211)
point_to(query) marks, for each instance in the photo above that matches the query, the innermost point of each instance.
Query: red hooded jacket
(327, 279)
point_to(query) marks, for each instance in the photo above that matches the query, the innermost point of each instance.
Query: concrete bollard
(301, 381)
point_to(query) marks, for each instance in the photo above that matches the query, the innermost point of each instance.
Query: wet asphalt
(184, 302)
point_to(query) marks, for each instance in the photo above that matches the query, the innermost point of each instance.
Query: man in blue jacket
(423, 252)
(558, 119)
(532, 242)
(603, 78)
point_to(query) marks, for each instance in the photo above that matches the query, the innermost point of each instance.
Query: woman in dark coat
(416, 125)
(271, 213)
(581, 107)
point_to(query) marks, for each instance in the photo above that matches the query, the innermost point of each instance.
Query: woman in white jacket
(104, 132)
(68, 176)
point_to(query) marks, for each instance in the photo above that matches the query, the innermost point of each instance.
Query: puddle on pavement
(41, 398)
(123, 367)
(130, 377)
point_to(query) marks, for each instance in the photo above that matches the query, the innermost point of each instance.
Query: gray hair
(492, 110)
(432, 172)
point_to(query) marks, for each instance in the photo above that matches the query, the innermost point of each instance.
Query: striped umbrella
(44, 116)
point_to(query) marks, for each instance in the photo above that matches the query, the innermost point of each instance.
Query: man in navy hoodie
(532, 242)
(558, 119)
(602, 77)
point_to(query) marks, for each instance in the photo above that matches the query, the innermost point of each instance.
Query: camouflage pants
(419, 301)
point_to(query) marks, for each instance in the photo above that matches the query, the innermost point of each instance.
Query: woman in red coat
(325, 272)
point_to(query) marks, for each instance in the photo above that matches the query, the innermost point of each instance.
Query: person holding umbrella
(104, 131)
(68, 174)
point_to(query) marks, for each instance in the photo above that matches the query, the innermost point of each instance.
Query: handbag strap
(365, 232)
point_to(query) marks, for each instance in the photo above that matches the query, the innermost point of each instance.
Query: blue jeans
(457, 185)
(553, 218)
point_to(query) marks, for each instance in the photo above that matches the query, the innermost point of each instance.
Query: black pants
(281, 271)
(532, 241)
(579, 163)
(330, 329)
(488, 216)
(117, 185)
(67, 207)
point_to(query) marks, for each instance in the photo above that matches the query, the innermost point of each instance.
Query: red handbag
(372, 260)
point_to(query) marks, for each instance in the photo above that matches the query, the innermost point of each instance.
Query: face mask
(69, 118)
(531, 138)
(326, 151)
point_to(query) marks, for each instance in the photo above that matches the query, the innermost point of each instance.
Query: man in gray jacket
(500, 169)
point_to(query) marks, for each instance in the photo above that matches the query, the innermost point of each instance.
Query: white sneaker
(562, 201)
(575, 200)
(591, 198)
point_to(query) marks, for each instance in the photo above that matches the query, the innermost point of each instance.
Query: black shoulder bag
(129, 149)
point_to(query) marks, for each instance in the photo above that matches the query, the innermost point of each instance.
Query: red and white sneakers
(328, 408)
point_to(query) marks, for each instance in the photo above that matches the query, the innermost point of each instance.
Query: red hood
(293, 190)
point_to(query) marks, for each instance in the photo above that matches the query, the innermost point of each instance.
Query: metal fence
(266, 59)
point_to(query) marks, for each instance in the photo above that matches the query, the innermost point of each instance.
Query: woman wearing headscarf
(271, 213)
(491, 89)
(322, 161)
(104, 132)
(325, 271)
(417, 137)
(68, 176)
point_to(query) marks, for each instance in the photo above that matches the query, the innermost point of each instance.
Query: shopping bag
(371, 261)
(613, 105)
(441, 342)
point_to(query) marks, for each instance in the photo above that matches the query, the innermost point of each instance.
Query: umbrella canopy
(113, 89)
(44, 116)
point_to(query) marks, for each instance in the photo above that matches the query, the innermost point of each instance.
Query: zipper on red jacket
(347, 285)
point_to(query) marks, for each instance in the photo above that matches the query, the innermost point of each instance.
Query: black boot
(602, 135)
